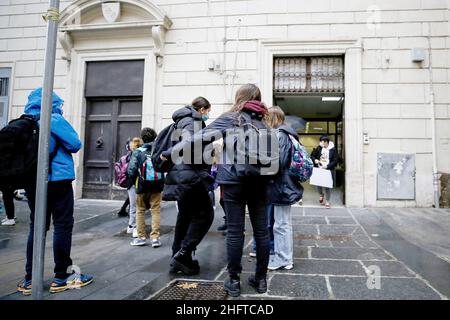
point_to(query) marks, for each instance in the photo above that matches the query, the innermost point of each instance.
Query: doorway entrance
(113, 116)
(312, 89)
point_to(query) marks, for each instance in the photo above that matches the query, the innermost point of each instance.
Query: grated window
(309, 74)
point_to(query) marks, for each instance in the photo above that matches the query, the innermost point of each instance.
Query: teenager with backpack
(243, 183)
(188, 184)
(124, 181)
(64, 142)
(149, 185)
(285, 190)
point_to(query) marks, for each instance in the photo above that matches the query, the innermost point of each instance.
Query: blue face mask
(205, 117)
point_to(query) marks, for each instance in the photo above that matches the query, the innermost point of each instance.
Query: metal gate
(5, 74)
(113, 115)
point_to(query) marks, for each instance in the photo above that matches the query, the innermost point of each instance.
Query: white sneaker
(4, 220)
(9, 222)
(138, 242)
(130, 230)
(156, 243)
(135, 233)
(287, 267)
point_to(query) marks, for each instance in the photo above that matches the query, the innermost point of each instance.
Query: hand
(163, 158)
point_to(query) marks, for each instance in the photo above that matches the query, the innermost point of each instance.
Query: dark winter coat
(183, 177)
(137, 159)
(285, 189)
(333, 156)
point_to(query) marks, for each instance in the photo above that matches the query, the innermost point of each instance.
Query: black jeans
(236, 197)
(8, 201)
(195, 216)
(60, 207)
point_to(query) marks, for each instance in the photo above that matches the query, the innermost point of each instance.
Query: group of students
(191, 185)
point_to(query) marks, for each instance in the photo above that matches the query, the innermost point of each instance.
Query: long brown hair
(275, 117)
(245, 93)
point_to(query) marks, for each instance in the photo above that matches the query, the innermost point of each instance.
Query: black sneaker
(259, 285)
(232, 287)
(122, 213)
(223, 227)
(182, 262)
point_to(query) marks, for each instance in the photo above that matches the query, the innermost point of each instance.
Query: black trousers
(60, 208)
(195, 216)
(8, 201)
(236, 197)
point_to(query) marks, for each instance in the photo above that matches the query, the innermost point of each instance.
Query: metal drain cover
(192, 290)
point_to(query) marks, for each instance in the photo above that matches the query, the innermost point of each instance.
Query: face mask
(205, 117)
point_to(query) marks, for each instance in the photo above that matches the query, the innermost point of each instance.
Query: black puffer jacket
(227, 173)
(285, 189)
(183, 177)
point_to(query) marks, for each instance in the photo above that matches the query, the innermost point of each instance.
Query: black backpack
(257, 163)
(162, 143)
(19, 142)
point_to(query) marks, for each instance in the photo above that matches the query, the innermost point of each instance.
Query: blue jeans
(236, 197)
(132, 197)
(60, 207)
(284, 241)
(270, 223)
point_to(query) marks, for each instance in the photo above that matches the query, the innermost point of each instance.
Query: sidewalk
(335, 252)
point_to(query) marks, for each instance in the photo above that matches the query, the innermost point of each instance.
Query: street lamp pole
(52, 18)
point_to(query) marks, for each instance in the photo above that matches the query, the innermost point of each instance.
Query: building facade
(372, 74)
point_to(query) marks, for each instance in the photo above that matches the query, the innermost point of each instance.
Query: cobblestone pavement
(336, 258)
(336, 251)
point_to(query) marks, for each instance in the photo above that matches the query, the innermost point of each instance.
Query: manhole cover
(192, 290)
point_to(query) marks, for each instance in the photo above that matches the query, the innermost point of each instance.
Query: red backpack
(120, 169)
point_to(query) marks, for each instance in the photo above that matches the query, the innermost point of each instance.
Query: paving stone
(338, 230)
(319, 267)
(300, 287)
(304, 230)
(390, 289)
(304, 243)
(121, 288)
(349, 253)
(300, 252)
(345, 244)
(390, 268)
(308, 220)
(366, 243)
(335, 212)
(342, 220)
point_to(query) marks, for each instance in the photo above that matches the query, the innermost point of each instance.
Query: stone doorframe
(353, 132)
(82, 42)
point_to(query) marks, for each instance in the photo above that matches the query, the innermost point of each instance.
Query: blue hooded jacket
(63, 136)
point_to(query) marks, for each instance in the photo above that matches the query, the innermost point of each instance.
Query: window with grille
(308, 74)
(4, 86)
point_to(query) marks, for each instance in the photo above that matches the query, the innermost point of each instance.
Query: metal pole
(433, 123)
(52, 17)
